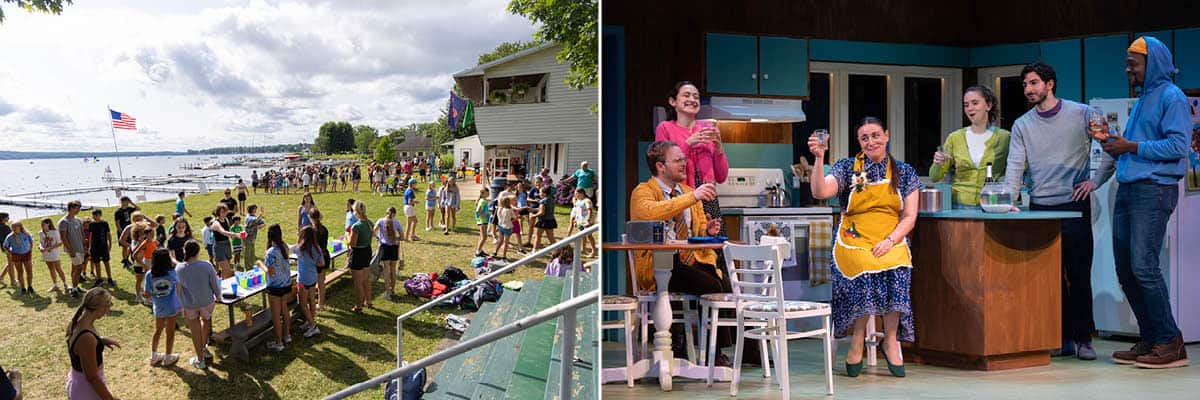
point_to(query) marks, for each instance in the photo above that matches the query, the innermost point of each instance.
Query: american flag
(122, 120)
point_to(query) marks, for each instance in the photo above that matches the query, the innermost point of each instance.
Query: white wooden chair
(710, 307)
(646, 299)
(626, 306)
(757, 282)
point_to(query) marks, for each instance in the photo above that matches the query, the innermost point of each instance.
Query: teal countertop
(975, 213)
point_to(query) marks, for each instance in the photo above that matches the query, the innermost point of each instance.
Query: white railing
(566, 329)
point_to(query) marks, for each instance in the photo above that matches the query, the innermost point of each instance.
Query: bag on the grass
(466, 299)
(419, 285)
(376, 266)
(408, 387)
(439, 288)
(452, 276)
(487, 291)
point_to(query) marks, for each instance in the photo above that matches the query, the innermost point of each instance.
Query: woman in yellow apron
(872, 266)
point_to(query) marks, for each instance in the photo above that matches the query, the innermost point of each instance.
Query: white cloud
(219, 73)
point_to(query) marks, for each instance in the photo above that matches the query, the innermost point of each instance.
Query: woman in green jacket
(968, 151)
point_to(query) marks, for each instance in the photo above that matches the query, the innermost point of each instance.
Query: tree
(572, 24)
(385, 151)
(334, 137)
(46, 6)
(504, 50)
(364, 139)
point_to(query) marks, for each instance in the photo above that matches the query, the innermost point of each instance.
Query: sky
(201, 74)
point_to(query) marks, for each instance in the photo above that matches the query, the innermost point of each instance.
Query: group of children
(501, 217)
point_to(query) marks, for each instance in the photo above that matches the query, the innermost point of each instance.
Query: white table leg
(664, 261)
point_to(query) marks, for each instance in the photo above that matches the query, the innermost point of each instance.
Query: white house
(466, 149)
(527, 115)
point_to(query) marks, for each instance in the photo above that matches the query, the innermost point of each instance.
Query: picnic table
(242, 337)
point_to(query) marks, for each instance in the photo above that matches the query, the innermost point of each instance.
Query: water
(25, 176)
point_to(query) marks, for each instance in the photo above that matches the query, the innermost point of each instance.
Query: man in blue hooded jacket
(1151, 156)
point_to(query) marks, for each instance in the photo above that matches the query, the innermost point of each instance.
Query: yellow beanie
(1138, 46)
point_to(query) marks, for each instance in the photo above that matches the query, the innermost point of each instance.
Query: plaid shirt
(820, 252)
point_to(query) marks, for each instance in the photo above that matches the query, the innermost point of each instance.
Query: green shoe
(896, 370)
(852, 370)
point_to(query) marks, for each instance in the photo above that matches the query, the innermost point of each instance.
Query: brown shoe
(1130, 356)
(1165, 355)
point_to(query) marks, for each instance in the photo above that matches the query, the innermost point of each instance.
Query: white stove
(747, 187)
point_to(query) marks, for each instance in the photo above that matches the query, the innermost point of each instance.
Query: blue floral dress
(874, 293)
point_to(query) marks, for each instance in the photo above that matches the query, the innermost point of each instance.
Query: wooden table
(664, 365)
(986, 289)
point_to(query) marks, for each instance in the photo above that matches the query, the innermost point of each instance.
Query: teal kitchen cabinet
(752, 65)
(782, 66)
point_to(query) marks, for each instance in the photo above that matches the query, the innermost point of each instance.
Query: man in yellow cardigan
(664, 198)
(652, 200)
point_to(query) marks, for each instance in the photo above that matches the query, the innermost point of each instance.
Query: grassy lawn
(350, 349)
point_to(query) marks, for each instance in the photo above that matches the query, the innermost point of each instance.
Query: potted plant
(519, 90)
(499, 96)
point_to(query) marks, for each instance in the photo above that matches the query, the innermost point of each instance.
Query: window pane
(922, 121)
(867, 97)
(816, 114)
(1012, 101)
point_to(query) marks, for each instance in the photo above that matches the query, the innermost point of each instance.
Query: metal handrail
(566, 308)
(568, 341)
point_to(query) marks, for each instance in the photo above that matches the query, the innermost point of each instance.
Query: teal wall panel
(1104, 67)
(1003, 54)
(1065, 56)
(1187, 58)
(887, 53)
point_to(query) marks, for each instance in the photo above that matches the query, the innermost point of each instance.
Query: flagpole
(114, 136)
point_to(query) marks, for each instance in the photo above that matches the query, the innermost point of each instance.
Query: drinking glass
(822, 135)
(1097, 123)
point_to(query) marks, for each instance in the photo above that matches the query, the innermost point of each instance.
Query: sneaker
(1085, 351)
(1067, 349)
(312, 331)
(1130, 356)
(114, 284)
(96, 284)
(197, 363)
(169, 359)
(480, 254)
(155, 358)
(387, 296)
(53, 289)
(1172, 354)
(75, 292)
(208, 355)
(273, 346)
(287, 339)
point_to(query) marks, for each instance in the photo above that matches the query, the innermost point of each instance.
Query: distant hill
(26, 155)
(279, 148)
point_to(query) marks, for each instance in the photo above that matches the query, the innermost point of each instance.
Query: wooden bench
(242, 338)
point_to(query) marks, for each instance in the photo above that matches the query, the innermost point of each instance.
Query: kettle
(777, 196)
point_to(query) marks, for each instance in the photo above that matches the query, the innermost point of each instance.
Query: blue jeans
(1139, 223)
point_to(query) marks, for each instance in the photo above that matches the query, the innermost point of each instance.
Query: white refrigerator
(1179, 257)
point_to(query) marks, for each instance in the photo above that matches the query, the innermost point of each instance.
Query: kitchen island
(986, 288)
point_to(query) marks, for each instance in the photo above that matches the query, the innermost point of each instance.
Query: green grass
(350, 349)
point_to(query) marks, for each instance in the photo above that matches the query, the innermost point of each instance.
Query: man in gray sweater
(1051, 143)
(198, 288)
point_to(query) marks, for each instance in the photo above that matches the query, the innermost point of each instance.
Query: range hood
(751, 109)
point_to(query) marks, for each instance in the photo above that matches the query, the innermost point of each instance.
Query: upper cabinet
(754, 65)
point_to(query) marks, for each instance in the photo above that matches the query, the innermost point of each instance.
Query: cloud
(6, 108)
(200, 65)
(40, 115)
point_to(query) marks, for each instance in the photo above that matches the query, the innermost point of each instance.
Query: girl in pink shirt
(699, 140)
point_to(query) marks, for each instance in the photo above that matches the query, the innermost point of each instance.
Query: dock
(41, 203)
